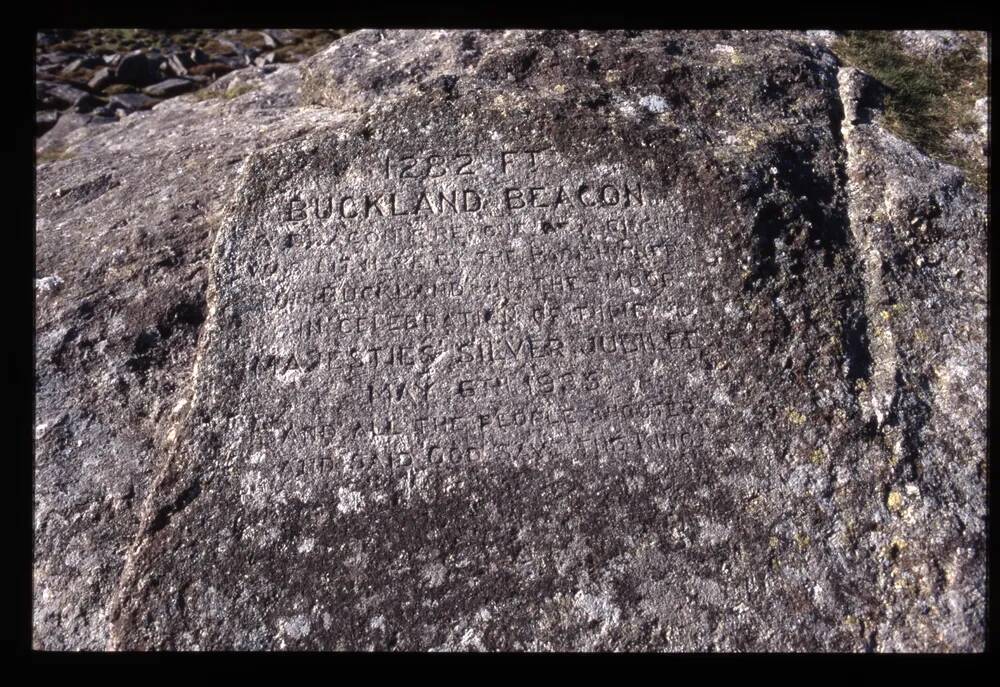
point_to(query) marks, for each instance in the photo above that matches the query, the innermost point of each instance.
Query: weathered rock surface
(920, 233)
(133, 101)
(169, 87)
(58, 94)
(931, 44)
(513, 340)
(70, 127)
(45, 120)
(80, 73)
(125, 222)
(136, 69)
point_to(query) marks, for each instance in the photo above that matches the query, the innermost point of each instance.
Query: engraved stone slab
(517, 372)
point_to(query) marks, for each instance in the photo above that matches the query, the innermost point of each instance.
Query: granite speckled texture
(514, 340)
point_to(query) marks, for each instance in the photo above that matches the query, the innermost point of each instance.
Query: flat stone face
(496, 378)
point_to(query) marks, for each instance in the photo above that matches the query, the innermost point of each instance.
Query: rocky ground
(98, 76)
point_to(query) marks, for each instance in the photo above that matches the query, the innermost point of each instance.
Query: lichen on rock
(513, 340)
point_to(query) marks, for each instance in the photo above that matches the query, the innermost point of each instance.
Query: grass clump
(928, 99)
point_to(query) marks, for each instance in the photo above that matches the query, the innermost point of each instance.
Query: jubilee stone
(558, 341)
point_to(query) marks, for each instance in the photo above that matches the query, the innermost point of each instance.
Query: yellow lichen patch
(860, 385)
(757, 505)
(894, 501)
(850, 532)
(795, 417)
(817, 457)
(902, 582)
(920, 335)
(802, 540)
(773, 543)
(746, 140)
(885, 315)
(559, 88)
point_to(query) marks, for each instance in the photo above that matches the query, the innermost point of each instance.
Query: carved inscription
(455, 309)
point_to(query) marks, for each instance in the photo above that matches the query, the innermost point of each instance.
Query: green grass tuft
(927, 99)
